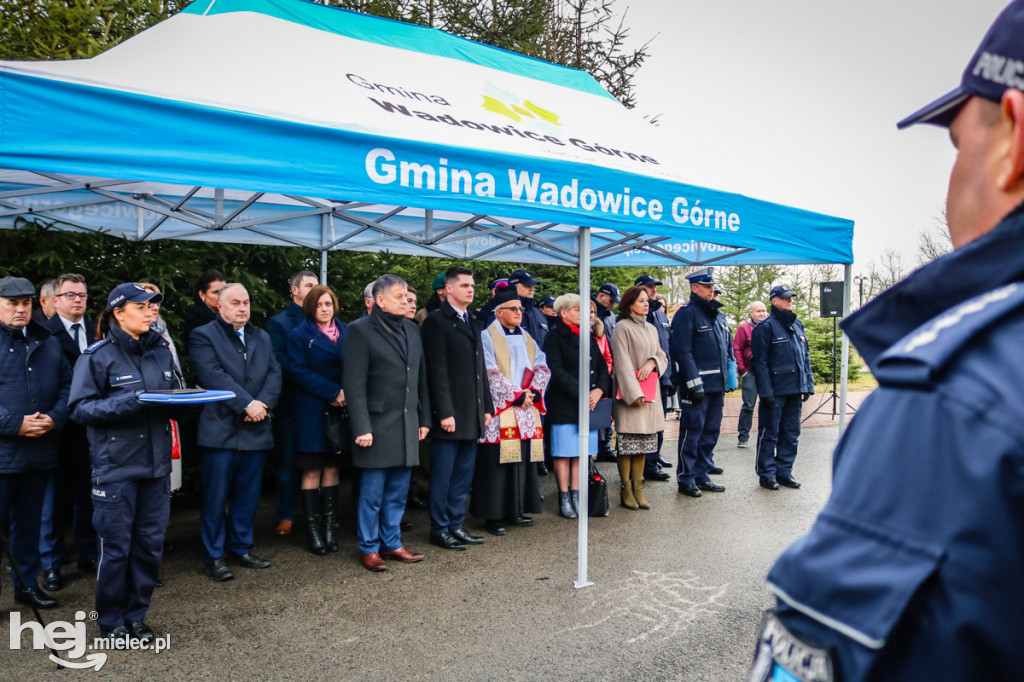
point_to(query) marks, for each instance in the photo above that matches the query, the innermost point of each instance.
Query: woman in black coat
(315, 352)
(562, 349)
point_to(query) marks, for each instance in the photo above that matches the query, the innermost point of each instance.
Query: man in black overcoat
(461, 407)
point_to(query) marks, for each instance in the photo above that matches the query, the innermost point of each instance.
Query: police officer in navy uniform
(915, 568)
(34, 383)
(700, 352)
(782, 368)
(534, 321)
(130, 450)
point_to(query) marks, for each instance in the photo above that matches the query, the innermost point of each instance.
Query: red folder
(649, 386)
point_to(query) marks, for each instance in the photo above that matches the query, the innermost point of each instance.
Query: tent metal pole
(845, 372)
(583, 420)
(324, 227)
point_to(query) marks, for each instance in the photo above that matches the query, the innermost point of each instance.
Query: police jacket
(250, 370)
(782, 362)
(700, 346)
(34, 377)
(127, 440)
(915, 568)
(534, 321)
(657, 314)
(607, 318)
(278, 327)
(486, 313)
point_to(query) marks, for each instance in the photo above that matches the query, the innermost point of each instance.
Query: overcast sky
(796, 102)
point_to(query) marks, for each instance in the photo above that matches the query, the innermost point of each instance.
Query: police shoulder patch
(783, 657)
(98, 344)
(919, 356)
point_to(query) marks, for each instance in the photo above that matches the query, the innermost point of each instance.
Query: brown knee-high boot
(637, 477)
(625, 468)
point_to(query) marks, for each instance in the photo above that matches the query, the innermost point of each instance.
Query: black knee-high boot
(330, 498)
(311, 507)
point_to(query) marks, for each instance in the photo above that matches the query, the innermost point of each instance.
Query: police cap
(702, 276)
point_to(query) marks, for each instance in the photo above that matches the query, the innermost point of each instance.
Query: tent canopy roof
(331, 129)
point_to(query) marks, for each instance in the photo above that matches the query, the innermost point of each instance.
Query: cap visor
(941, 112)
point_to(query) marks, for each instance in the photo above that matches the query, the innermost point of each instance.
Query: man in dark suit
(279, 326)
(461, 404)
(67, 488)
(389, 410)
(231, 354)
(45, 310)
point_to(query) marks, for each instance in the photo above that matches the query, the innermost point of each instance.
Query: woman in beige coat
(637, 354)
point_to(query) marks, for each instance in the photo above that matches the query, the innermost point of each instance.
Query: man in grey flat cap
(32, 413)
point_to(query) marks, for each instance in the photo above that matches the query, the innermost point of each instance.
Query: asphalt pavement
(678, 594)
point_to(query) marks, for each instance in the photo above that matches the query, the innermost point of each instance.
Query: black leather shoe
(715, 471)
(496, 528)
(404, 525)
(140, 631)
(521, 521)
(87, 566)
(655, 474)
(663, 464)
(710, 486)
(417, 502)
(35, 597)
(250, 560)
(462, 536)
(447, 541)
(788, 481)
(768, 482)
(605, 456)
(118, 634)
(219, 571)
(52, 580)
(542, 469)
(689, 490)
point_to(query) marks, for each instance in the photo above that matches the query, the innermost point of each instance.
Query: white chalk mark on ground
(653, 604)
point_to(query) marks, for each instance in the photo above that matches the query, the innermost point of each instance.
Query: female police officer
(130, 449)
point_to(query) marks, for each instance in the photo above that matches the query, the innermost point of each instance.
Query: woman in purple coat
(315, 352)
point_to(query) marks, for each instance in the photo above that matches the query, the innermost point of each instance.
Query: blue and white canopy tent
(289, 122)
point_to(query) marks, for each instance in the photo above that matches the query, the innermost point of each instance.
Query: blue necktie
(238, 332)
(75, 328)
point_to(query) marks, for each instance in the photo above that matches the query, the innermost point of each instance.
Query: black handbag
(337, 429)
(597, 492)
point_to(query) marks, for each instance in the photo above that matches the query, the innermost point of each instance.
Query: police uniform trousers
(382, 496)
(504, 491)
(231, 492)
(131, 519)
(778, 430)
(67, 494)
(21, 502)
(451, 474)
(286, 494)
(699, 426)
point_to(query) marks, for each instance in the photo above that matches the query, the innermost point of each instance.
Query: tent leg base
(578, 584)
